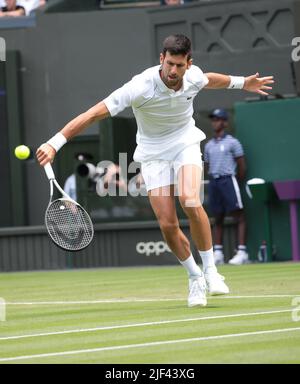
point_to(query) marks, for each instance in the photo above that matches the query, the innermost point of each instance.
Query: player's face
(173, 68)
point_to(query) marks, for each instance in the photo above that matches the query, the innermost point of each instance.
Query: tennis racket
(68, 224)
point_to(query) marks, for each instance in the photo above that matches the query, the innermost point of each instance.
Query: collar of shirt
(220, 137)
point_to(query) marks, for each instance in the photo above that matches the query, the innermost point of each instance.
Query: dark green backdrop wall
(270, 134)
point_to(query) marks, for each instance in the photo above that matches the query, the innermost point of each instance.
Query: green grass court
(140, 315)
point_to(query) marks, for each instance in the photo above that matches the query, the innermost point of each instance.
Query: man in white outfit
(168, 147)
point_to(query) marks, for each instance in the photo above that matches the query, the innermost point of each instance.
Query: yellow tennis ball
(22, 152)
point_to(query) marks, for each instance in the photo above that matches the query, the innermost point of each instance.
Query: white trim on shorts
(237, 192)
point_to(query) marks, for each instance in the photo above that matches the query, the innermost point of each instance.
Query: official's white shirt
(164, 116)
(70, 187)
(29, 5)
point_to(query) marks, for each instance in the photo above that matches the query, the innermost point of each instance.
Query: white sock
(207, 258)
(191, 267)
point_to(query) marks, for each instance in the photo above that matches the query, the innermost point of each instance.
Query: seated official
(9, 8)
(17, 8)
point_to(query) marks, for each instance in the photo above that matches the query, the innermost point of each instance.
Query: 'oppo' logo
(151, 247)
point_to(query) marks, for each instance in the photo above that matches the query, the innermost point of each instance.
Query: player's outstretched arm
(47, 151)
(252, 83)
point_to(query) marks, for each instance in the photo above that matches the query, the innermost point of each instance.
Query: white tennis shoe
(241, 257)
(215, 282)
(219, 257)
(197, 292)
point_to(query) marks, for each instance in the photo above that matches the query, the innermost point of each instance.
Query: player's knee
(189, 203)
(193, 212)
(168, 227)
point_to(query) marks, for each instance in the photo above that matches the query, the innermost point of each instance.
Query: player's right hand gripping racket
(68, 224)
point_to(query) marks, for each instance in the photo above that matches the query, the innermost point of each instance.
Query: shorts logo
(152, 248)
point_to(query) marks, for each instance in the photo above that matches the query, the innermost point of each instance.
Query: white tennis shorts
(160, 173)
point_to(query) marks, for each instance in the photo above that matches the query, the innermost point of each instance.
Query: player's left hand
(257, 84)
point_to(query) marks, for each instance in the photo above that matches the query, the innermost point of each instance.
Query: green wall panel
(270, 134)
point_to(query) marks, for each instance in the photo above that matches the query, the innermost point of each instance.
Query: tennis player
(168, 147)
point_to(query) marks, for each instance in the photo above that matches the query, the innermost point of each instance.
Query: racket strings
(69, 225)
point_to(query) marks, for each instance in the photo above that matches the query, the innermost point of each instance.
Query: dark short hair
(178, 45)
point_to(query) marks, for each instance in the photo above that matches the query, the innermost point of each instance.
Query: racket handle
(49, 171)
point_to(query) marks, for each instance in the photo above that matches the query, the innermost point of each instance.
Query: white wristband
(57, 141)
(236, 82)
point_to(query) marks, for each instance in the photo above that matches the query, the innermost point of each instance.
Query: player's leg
(163, 204)
(162, 200)
(159, 181)
(189, 183)
(189, 178)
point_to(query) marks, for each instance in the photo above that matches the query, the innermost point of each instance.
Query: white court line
(152, 344)
(111, 327)
(104, 301)
(138, 300)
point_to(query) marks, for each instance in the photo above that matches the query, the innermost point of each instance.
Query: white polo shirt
(164, 116)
